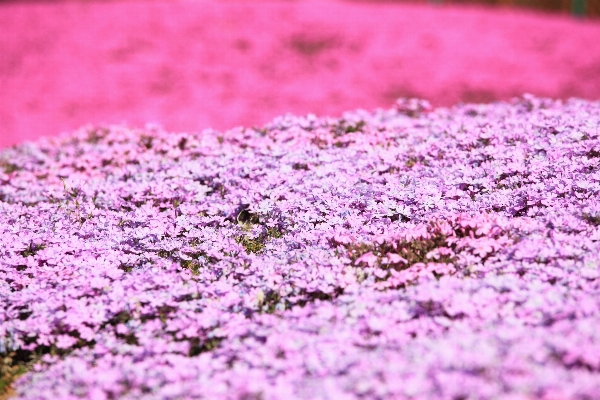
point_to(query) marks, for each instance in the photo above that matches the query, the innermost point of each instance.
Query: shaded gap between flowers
(248, 221)
(430, 249)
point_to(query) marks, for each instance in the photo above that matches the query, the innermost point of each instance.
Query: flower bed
(196, 64)
(403, 253)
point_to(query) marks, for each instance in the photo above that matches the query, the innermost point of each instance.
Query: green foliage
(412, 161)
(257, 244)
(8, 167)
(96, 135)
(75, 197)
(251, 245)
(198, 346)
(412, 251)
(165, 254)
(247, 221)
(271, 301)
(593, 219)
(15, 363)
(268, 302)
(32, 249)
(192, 265)
(344, 127)
(12, 365)
(274, 233)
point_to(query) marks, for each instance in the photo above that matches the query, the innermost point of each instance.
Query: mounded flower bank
(407, 253)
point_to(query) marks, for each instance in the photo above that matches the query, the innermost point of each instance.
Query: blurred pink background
(190, 65)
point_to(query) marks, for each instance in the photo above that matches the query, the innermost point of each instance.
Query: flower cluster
(407, 253)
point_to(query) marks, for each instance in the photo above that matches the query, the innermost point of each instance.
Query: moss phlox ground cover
(408, 253)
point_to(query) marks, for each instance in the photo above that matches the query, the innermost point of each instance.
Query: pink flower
(368, 258)
(396, 259)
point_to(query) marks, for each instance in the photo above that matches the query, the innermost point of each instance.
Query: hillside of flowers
(408, 253)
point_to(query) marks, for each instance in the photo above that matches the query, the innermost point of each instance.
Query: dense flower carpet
(407, 253)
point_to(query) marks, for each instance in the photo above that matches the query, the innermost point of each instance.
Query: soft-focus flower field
(406, 253)
(190, 65)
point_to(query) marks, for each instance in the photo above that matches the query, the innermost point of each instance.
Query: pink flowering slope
(192, 65)
(397, 254)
